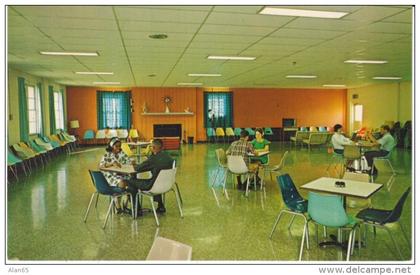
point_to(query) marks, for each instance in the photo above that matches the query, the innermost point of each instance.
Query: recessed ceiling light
(151, 75)
(353, 61)
(334, 85)
(189, 84)
(217, 57)
(89, 73)
(204, 75)
(71, 53)
(301, 76)
(106, 83)
(302, 13)
(158, 36)
(386, 77)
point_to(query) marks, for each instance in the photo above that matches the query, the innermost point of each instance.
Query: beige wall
(382, 102)
(13, 135)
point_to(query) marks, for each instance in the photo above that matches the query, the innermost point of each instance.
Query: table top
(259, 154)
(353, 188)
(125, 169)
(139, 143)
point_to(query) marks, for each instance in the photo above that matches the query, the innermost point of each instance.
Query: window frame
(36, 110)
(58, 106)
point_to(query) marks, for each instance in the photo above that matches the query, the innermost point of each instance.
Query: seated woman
(338, 140)
(260, 144)
(114, 156)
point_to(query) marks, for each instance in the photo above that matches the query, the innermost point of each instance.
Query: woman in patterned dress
(114, 156)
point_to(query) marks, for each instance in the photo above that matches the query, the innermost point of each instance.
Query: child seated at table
(114, 156)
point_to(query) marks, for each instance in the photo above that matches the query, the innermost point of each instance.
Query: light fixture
(353, 61)
(302, 13)
(386, 77)
(189, 84)
(301, 76)
(334, 85)
(71, 53)
(218, 57)
(106, 83)
(95, 73)
(204, 75)
(158, 36)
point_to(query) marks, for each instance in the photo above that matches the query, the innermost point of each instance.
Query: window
(58, 110)
(219, 110)
(34, 110)
(358, 113)
(114, 110)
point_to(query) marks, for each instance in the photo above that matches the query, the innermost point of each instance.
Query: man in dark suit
(159, 160)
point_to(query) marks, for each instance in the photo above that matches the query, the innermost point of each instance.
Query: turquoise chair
(251, 133)
(268, 131)
(37, 148)
(237, 132)
(12, 162)
(328, 210)
(88, 136)
(211, 134)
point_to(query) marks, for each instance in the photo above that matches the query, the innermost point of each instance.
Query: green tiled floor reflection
(45, 213)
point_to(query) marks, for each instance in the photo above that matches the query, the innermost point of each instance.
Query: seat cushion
(374, 215)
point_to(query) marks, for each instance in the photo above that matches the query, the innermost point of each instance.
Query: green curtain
(64, 110)
(41, 100)
(113, 109)
(218, 110)
(23, 110)
(52, 110)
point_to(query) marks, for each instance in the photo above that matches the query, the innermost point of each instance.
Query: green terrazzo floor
(45, 213)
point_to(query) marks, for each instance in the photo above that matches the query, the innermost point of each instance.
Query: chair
(313, 129)
(268, 131)
(328, 210)
(101, 137)
(39, 150)
(24, 155)
(237, 132)
(31, 151)
(251, 132)
(303, 129)
(164, 249)
(63, 144)
(322, 129)
(211, 134)
(380, 218)
(46, 146)
(88, 136)
(220, 133)
(12, 162)
(237, 165)
(299, 136)
(111, 134)
(229, 133)
(383, 166)
(133, 134)
(222, 166)
(122, 134)
(164, 183)
(315, 138)
(352, 202)
(276, 168)
(102, 188)
(296, 206)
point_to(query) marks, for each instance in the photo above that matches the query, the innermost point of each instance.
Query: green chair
(211, 134)
(328, 210)
(268, 131)
(237, 132)
(38, 149)
(23, 155)
(12, 162)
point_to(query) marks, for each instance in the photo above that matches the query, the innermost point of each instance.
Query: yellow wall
(13, 105)
(381, 102)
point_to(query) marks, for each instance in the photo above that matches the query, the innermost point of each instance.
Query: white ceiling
(282, 44)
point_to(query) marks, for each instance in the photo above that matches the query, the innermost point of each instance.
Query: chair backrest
(313, 129)
(12, 159)
(133, 133)
(35, 146)
(122, 133)
(221, 157)
(317, 138)
(229, 132)
(89, 134)
(44, 145)
(100, 134)
(237, 165)
(327, 210)
(305, 134)
(237, 131)
(220, 132)
(303, 129)
(111, 133)
(356, 176)
(396, 212)
(289, 193)
(211, 132)
(250, 131)
(21, 153)
(126, 149)
(268, 131)
(164, 181)
(300, 135)
(100, 183)
(351, 152)
(322, 129)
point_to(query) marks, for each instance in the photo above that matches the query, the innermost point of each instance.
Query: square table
(125, 169)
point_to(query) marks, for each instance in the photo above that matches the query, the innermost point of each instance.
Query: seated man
(242, 147)
(386, 142)
(159, 160)
(338, 140)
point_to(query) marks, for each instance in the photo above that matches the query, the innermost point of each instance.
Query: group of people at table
(159, 159)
